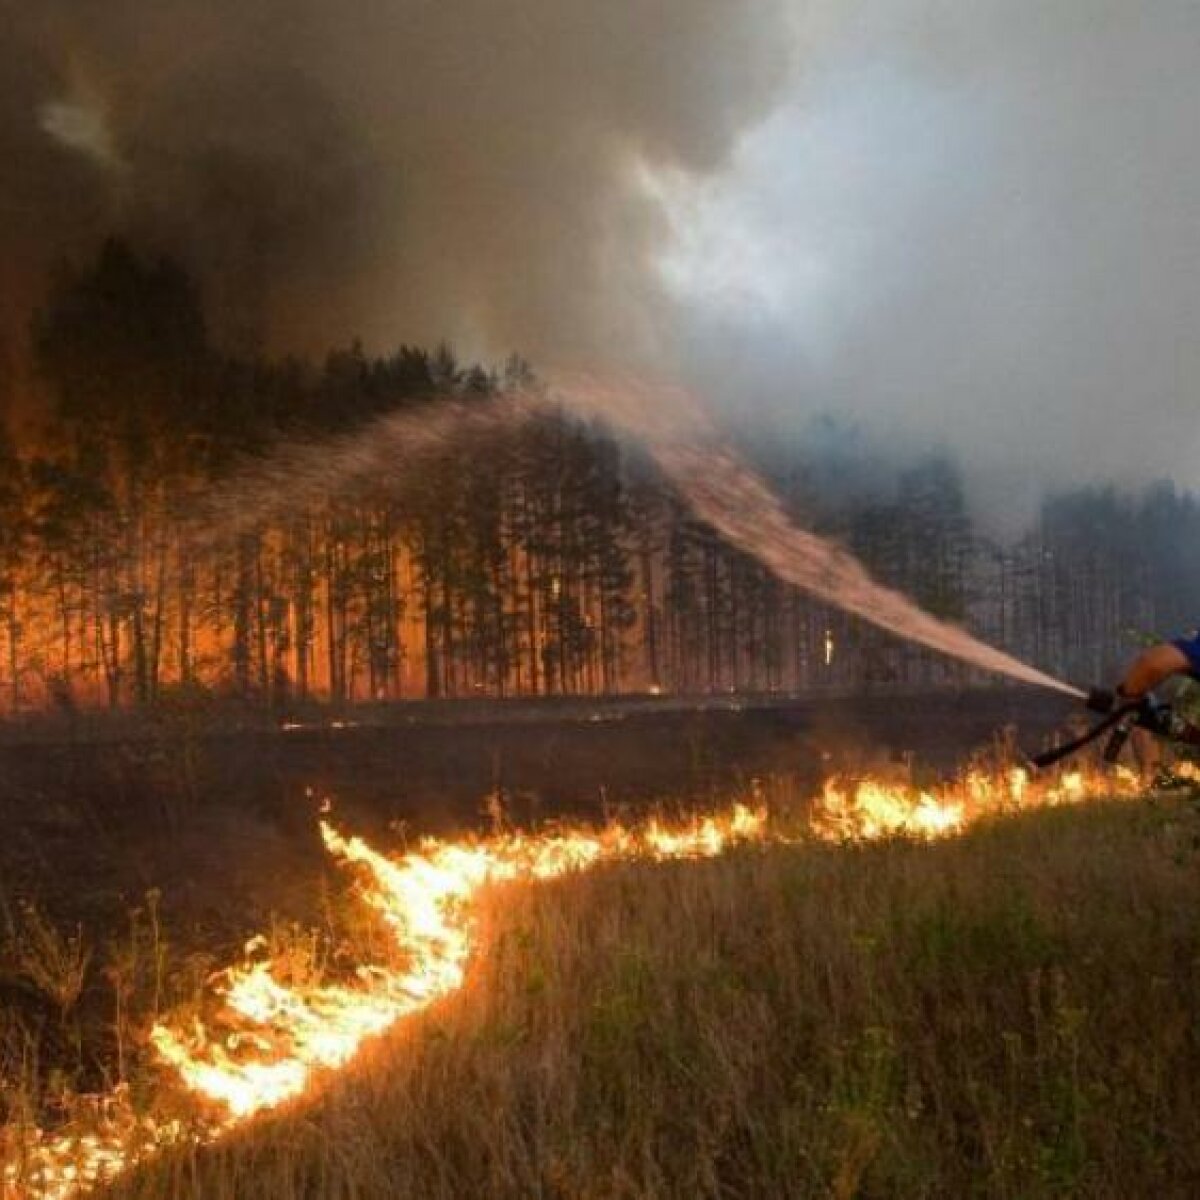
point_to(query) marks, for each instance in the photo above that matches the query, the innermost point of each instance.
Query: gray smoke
(963, 223)
(973, 224)
(407, 170)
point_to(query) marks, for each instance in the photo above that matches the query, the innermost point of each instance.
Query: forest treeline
(546, 559)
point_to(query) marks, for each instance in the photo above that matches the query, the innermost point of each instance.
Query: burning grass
(1010, 1013)
(792, 1019)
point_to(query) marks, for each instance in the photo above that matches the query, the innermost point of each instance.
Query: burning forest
(478, 554)
(597, 603)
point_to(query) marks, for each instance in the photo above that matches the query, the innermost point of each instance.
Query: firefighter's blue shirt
(1191, 648)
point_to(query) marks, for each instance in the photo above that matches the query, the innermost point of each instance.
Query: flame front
(866, 809)
(283, 1036)
(425, 898)
(275, 1040)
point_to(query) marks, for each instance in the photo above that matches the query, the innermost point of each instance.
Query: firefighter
(1151, 668)
(1133, 708)
(1158, 664)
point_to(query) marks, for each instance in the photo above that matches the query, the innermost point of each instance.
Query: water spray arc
(727, 494)
(672, 424)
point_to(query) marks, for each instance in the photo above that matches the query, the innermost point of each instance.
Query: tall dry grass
(1015, 1013)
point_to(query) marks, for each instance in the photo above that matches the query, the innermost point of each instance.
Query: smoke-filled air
(404, 171)
(969, 224)
(550, 556)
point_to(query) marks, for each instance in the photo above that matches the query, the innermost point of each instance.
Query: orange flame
(866, 809)
(425, 899)
(282, 1037)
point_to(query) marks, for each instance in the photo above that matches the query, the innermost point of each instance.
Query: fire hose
(1120, 718)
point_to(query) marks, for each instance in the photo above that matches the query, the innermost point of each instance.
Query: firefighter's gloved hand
(1101, 700)
(1160, 718)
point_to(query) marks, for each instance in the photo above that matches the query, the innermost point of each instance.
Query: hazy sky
(967, 222)
(971, 222)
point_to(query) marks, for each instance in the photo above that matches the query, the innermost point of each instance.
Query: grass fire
(277, 1035)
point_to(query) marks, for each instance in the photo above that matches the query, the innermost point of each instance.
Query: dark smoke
(411, 170)
(962, 223)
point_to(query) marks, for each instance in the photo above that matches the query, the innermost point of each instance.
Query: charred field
(214, 806)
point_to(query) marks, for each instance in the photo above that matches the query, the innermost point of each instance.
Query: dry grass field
(1014, 1013)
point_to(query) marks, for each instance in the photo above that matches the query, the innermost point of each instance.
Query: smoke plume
(966, 224)
(401, 171)
(971, 224)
